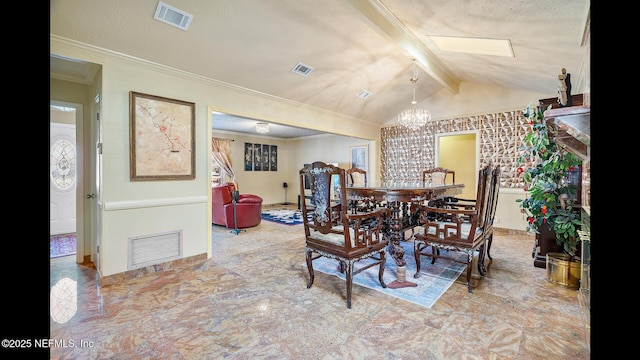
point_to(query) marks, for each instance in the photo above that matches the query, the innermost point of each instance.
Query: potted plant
(545, 168)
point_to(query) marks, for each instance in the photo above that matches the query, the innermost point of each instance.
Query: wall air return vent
(302, 69)
(172, 16)
(154, 249)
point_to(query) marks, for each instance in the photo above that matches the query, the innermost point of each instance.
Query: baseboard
(506, 231)
(131, 274)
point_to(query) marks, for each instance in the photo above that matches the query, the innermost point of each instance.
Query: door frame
(475, 157)
(80, 164)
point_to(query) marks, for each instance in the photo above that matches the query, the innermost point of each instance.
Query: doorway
(460, 152)
(65, 209)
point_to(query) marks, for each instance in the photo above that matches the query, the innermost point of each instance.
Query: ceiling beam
(384, 21)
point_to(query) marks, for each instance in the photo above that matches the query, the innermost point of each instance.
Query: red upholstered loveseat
(249, 207)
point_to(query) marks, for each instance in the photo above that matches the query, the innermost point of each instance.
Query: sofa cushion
(249, 198)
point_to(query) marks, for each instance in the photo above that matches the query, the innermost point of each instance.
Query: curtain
(221, 153)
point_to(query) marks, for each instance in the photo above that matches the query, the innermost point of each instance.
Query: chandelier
(262, 128)
(414, 118)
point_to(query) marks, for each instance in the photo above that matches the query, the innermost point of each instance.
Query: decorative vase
(563, 270)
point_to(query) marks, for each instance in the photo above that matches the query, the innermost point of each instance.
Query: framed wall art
(248, 156)
(161, 138)
(273, 159)
(257, 157)
(260, 157)
(265, 157)
(360, 157)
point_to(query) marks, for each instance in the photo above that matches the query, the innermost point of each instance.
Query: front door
(62, 177)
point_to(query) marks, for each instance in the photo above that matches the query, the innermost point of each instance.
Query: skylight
(481, 46)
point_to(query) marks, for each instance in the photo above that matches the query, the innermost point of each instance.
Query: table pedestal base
(401, 282)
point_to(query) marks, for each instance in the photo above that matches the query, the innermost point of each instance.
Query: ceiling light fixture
(262, 128)
(414, 118)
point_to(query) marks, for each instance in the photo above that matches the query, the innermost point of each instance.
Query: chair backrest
(482, 195)
(494, 189)
(438, 176)
(356, 177)
(328, 185)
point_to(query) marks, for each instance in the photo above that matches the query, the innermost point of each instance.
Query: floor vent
(154, 249)
(172, 16)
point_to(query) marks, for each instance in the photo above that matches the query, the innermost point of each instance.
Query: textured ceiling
(353, 45)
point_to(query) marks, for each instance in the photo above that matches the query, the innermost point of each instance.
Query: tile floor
(250, 301)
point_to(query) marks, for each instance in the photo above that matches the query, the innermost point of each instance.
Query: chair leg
(434, 251)
(481, 268)
(382, 266)
(349, 277)
(489, 241)
(310, 268)
(469, 268)
(416, 255)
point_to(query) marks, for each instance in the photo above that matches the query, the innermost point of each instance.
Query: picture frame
(274, 158)
(248, 156)
(359, 156)
(265, 157)
(161, 138)
(257, 157)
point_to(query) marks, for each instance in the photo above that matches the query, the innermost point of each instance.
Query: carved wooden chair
(451, 232)
(438, 176)
(470, 204)
(358, 177)
(494, 190)
(332, 232)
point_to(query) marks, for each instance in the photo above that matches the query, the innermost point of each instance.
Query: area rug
(62, 245)
(283, 216)
(434, 279)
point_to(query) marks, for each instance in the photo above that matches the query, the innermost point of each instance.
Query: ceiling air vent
(364, 94)
(302, 69)
(172, 16)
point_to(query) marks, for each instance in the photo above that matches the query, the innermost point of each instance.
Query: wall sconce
(262, 128)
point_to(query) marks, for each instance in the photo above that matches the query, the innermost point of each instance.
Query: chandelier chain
(414, 118)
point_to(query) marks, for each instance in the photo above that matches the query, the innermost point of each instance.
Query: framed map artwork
(161, 138)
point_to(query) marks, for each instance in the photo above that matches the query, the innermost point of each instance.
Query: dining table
(398, 198)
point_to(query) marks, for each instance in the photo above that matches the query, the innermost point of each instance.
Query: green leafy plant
(545, 168)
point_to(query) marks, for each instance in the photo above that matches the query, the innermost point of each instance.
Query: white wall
(139, 208)
(508, 215)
